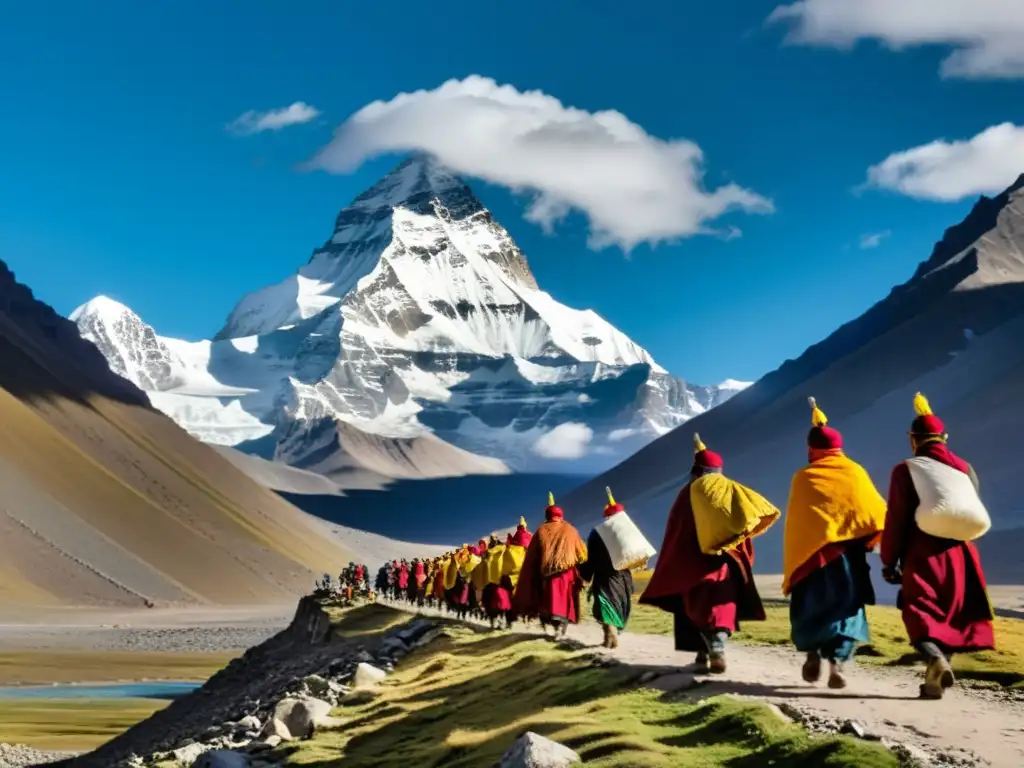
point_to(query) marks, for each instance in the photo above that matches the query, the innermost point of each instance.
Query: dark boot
(716, 663)
(811, 670)
(836, 678)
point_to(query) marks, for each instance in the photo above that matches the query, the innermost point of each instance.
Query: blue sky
(119, 176)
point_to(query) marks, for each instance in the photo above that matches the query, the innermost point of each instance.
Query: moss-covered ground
(463, 699)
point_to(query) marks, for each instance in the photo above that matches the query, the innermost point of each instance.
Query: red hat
(613, 507)
(822, 436)
(702, 457)
(553, 512)
(927, 424)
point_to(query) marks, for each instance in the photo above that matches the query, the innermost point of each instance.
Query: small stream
(148, 690)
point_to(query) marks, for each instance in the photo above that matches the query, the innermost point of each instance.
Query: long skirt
(716, 605)
(613, 599)
(826, 607)
(560, 597)
(497, 600)
(944, 596)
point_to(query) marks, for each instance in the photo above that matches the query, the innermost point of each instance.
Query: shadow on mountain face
(441, 511)
(973, 380)
(106, 501)
(43, 357)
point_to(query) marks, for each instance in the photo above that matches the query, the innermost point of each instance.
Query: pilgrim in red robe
(943, 595)
(708, 595)
(512, 564)
(403, 578)
(549, 582)
(440, 567)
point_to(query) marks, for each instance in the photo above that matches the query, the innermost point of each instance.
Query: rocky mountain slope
(953, 331)
(417, 329)
(108, 502)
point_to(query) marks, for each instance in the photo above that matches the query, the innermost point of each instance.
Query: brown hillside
(103, 500)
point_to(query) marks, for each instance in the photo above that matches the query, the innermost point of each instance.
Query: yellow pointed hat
(702, 457)
(822, 436)
(613, 507)
(926, 423)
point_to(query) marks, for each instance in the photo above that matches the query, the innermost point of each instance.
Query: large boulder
(302, 716)
(367, 676)
(222, 758)
(187, 755)
(531, 750)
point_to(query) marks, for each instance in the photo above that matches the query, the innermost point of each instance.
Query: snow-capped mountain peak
(131, 347)
(418, 316)
(101, 306)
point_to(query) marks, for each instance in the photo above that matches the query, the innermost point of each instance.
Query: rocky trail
(970, 726)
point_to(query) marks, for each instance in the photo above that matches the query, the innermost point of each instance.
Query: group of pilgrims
(835, 516)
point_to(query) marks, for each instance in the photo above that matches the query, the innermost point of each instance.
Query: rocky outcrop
(280, 691)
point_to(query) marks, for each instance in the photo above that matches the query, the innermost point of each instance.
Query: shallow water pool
(150, 690)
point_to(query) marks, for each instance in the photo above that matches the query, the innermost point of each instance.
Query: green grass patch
(889, 645)
(368, 620)
(45, 667)
(460, 703)
(73, 724)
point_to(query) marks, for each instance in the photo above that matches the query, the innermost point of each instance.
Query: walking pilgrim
(512, 564)
(705, 573)
(935, 513)
(614, 549)
(549, 581)
(834, 518)
(497, 601)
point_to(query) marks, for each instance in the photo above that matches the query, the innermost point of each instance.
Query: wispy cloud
(633, 187)
(252, 121)
(947, 171)
(987, 35)
(873, 239)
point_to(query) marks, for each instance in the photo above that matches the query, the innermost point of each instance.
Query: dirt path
(966, 723)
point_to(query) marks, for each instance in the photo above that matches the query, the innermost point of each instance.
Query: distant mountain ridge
(953, 331)
(418, 320)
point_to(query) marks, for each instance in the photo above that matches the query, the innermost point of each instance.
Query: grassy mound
(462, 700)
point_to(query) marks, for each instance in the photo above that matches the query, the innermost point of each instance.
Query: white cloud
(272, 120)
(951, 170)
(566, 441)
(987, 35)
(873, 239)
(621, 434)
(633, 187)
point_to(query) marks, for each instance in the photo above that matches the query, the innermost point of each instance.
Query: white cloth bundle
(950, 507)
(626, 545)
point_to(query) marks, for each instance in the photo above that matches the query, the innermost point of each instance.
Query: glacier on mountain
(419, 316)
